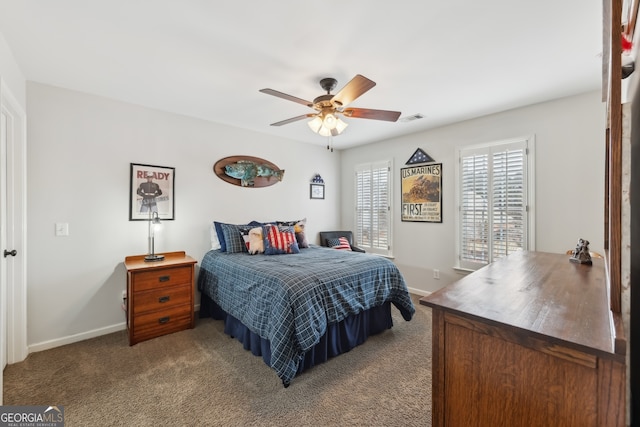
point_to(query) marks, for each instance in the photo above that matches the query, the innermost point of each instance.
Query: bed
(298, 310)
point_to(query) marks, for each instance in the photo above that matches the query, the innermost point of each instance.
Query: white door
(3, 238)
(13, 301)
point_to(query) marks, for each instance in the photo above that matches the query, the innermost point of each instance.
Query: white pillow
(256, 243)
(215, 242)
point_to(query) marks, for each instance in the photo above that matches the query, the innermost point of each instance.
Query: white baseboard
(418, 292)
(46, 345)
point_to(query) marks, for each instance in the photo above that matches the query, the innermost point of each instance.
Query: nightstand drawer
(162, 277)
(161, 299)
(161, 319)
(158, 323)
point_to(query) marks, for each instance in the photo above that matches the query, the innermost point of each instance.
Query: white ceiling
(448, 60)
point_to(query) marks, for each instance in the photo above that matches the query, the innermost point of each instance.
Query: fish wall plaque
(247, 171)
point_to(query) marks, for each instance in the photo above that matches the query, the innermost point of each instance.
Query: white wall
(81, 146)
(570, 158)
(10, 73)
(79, 154)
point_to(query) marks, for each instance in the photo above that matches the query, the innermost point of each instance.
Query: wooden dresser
(159, 295)
(527, 341)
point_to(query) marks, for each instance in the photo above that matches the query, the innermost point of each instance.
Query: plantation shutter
(509, 207)
(372, 207)
(475, 208)
(493, 217)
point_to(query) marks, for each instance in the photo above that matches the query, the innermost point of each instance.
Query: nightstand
(159, 295)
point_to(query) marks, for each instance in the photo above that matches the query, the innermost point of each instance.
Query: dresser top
(137, 262)
(537, 293)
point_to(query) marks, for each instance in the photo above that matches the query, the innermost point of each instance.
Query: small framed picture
(151, 190)
(316, 191)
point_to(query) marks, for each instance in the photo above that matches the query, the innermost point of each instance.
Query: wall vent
(412, 118)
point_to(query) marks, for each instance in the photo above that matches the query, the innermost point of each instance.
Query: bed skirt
(339, 338)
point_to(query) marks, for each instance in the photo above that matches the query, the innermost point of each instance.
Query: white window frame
(370, 246)
(529, 197)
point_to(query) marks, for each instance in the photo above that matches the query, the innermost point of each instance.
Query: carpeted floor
(201, 377)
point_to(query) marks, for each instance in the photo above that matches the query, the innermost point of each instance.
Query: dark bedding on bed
(290, 299)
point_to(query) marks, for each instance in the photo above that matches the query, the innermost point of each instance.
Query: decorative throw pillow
(244, 234)
(279, 240)
(233, 239)
(218, 227)
(299, 229)
(229, 235)
(215, 242)
(301, 236)
(232, 233)
(339, 243)
(253, 240)
(332, 241)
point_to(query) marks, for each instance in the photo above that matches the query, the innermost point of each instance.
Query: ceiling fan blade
(293, 119)
(287, 97)
(367, 113)
(356, 87)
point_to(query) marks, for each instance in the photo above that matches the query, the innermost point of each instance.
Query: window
(373, 210)
(495, 186)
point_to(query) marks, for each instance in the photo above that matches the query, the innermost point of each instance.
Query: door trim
(17, 349)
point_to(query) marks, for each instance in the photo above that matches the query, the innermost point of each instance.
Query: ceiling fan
(325, 120)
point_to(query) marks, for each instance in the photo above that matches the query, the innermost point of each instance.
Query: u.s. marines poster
(422, 193)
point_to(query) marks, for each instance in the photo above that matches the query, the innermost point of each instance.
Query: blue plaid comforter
(290, 299)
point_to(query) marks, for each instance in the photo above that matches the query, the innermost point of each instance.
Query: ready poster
(151, 190)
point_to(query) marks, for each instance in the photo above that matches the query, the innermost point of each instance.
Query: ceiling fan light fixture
(324, 131)
(327, 124)
(315, 124)
(329, 121)
(341, 125)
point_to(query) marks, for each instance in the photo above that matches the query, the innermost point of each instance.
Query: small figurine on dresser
(581, 253)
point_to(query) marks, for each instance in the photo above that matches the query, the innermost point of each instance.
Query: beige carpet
(201, 377)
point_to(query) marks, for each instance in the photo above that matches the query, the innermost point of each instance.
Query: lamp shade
(324, 131)
(329, 121)
(315, 124)
(341, 125)
(327, 124)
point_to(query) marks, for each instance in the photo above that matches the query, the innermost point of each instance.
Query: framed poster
(421, 192)
(151, 189)
(316, 191)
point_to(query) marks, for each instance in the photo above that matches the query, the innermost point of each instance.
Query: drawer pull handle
(164, 278)
(163, 320)
(164, 298)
